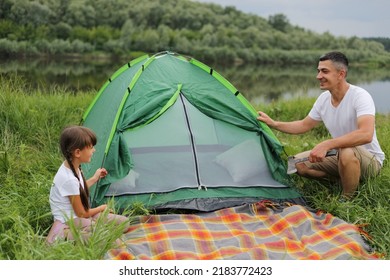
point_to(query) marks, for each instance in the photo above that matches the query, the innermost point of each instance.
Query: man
(348, 112)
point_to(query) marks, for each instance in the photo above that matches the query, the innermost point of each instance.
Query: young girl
(69, 194)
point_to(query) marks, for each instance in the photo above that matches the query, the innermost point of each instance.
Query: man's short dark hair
(336, 57)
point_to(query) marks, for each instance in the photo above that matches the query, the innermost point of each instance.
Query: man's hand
(318, 153)
(266, 119)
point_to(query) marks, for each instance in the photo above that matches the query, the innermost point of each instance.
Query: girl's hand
(102, 207)
(100, 173)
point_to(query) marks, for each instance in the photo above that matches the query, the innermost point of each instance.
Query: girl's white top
(64, 185)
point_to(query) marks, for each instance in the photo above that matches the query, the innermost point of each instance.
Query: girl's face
(85, 154)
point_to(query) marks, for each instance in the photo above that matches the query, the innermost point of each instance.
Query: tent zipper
(200, 186)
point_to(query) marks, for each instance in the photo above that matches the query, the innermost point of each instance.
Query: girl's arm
(100, 173)
(79, 210)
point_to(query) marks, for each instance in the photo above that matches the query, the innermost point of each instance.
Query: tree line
(206, 31)
(384, 41)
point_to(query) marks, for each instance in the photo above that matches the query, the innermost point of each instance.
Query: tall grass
(30, 124)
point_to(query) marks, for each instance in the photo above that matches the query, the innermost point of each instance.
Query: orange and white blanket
(253, 231)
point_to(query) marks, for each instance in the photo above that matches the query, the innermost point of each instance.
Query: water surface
(258, 83)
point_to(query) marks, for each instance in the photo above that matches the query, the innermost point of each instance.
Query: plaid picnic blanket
(254, 231)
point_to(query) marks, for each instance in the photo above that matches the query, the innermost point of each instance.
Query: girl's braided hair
(72, 138)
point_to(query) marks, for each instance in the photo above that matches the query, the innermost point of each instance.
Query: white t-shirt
(342, 119)
(64, 185)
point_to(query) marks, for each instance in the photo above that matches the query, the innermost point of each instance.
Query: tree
(279, 22)
(30, 12)
(81, 14)
(127, 32)
(61, 30)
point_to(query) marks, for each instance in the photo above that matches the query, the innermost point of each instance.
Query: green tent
(175, 134)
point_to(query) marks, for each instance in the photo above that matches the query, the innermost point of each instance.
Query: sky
(339, 17)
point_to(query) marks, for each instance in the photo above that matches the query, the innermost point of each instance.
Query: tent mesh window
(194, 151)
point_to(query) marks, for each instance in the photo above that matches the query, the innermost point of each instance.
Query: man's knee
(347, 157)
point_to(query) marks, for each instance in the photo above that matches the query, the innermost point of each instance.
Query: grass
(30, 124)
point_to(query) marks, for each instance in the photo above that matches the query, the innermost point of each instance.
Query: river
(259, 84)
